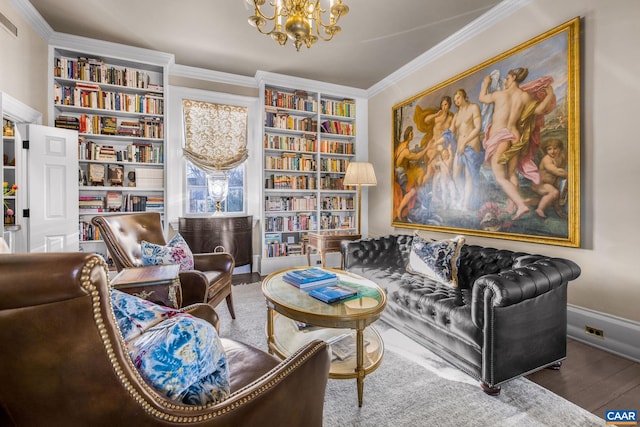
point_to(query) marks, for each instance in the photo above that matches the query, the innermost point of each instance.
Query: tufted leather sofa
(507, 318)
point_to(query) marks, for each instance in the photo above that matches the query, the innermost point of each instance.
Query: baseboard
(620, 336)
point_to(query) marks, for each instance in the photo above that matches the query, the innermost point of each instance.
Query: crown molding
(178, 70)
(33, 18)
(498, 13)
(311, 85)
(114, 50)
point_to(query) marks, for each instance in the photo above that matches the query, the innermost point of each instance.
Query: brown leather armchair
(209, 282)
(65, 361)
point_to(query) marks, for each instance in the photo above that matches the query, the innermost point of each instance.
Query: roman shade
(215, 135)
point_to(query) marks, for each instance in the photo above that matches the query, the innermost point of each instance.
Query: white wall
(23, 62)
(610, 282)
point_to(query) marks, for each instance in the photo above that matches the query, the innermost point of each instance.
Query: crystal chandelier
(298, 20)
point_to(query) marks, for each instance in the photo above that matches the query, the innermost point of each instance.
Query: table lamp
(359, 174)
(218, 184)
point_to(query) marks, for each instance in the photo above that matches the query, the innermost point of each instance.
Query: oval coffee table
(295, 318)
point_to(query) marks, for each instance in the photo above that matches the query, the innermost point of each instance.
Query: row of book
(90, 96)
(333, 183)
(290, 203)
(335, 222)
(298, 222)
(334, 165)
(291, 143)
(292, 162)
(116, 201)
(345, 108)
(298, 100)
(136, 152)
(88, 231)
(95, 70)
(337, 203)
(145, 127)
(336, 147)
(338, 128)
(289, 182)
(280, 120)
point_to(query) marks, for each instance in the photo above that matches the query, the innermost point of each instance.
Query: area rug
(412, 386)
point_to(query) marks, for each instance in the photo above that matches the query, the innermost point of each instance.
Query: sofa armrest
(194, 285)
(513, 286)
(270, 396)
(214, 261)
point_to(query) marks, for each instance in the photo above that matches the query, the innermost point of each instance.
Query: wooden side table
(326, 242)
(159, 284)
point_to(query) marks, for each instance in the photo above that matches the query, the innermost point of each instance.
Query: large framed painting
(495, 151)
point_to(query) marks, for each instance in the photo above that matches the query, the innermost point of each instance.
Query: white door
(53, 189)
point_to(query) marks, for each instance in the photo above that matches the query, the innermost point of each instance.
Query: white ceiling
(378, 36)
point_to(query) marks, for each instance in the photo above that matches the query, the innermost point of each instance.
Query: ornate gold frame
(553, 56)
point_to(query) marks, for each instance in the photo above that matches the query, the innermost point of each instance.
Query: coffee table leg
(270, 339)
(360, 363)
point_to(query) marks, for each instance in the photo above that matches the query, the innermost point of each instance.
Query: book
(309, 275)
(311, 285)
(333, 293)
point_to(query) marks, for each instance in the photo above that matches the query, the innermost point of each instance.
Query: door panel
(53, 189)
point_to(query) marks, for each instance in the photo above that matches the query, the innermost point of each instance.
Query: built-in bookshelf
(309, 139)
(9, 176)
(117, 105)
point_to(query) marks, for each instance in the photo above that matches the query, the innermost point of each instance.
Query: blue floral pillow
(136, 315)
(436, 259)
(177, 354)
(176, 252)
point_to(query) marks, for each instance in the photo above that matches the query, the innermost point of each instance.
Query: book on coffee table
(333, 293)
(311, 285)
(310, 278)
(309, 275)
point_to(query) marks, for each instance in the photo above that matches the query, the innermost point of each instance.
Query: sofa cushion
(177, 354)
(436, 259)
(175, 252)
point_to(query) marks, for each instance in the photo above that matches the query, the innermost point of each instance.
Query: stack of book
(67, 122)
(310, 278)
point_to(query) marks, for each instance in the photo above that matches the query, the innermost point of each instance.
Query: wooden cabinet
(233, 233)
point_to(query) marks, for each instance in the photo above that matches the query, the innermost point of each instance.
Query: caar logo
(621, 417)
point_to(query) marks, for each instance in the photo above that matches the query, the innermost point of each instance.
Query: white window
(198, 200)
(215, 142)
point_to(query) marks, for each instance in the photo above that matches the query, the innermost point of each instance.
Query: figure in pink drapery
(514, 134)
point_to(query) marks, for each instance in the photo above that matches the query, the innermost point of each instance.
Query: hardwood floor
(593, 379)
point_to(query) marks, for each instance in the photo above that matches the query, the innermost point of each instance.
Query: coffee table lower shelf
(287, 338)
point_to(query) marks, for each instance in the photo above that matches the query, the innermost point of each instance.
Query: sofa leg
(555, 366)
(491, 391)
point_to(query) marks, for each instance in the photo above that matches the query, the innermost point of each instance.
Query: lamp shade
(360, 173)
